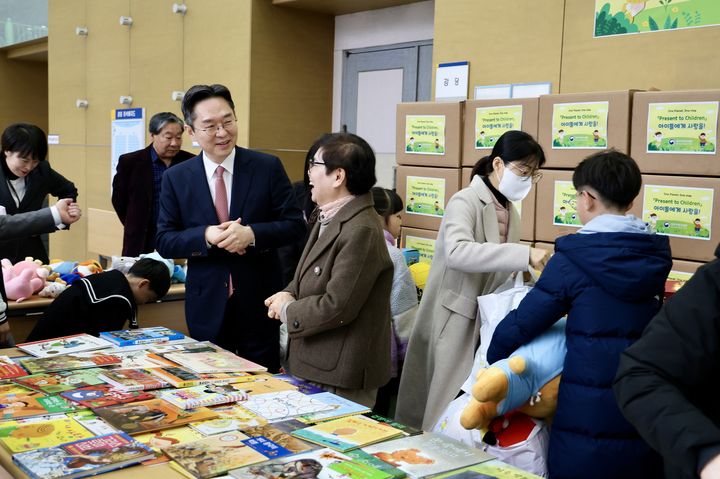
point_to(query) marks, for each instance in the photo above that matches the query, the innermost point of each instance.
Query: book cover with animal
(83, 458)
(341, 407)
(180, 377)
(132, 379)
(206, 395)
(214, 455)
(347, 433)
(214, 362)
(317, 464)
(358, 455)
(20, 402)
(9, 369)
(493, 469)
(59, 381)
(103, 395)
(75, 343)
(158, 440)
(284, 405)
(140, 359)
(263, 384)
(427, 454)
(280, 433)
(67, 362)
(151, 415)
(27, 435)
(230, 418)
(92, 423)
(130, 337)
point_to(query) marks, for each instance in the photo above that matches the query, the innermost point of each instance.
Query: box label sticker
(425, 134)
(492, 122)
(688, 128)
(580, 126)
(565, 205)
(425, 246)
(683, 212)
(425, 196)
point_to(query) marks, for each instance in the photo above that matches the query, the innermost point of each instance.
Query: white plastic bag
(449, 423)
(492, 308)
(529, 455)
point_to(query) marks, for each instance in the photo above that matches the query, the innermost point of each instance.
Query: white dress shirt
(210, 167)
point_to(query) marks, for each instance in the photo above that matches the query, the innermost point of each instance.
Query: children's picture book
(280, 433)
(263, 384)
(284, 405)
(103, 395)
(9, 369)
(214, 362)
(75, 343)
(341, 407)
(407, 430)
(82, 458)
(132, 379)
(92, 423)
(493, 469)
(427, 454)
(358, 455)
(29, 434)
(318, 464)
(67, 362)
(140, 359)
(230, 418)
(214, 455)
(206, 395)
(59, 381)
(347, 433)
(158, 440)
(180, 377)
(150, 415)
(131, 337)
(303, 386)
(20, 402)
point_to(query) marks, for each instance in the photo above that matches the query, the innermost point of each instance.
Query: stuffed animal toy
(23, 278)
(156, 256)
(52, 290)
(122, 263)
(86, 268)
(527, 382)
(62, 267)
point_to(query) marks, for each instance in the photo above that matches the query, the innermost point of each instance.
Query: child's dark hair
(387, 202)
(27, 140)
(512, 146)
(155, 272)
(614, 175)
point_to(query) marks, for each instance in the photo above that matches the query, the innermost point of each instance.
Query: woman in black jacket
(26, 179)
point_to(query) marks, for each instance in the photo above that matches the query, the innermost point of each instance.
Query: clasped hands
(69, 211)
(231, 236)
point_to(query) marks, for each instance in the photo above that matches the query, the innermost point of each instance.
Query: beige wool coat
(339, 326)
(468, 262)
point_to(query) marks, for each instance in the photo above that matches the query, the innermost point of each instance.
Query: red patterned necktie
(221, 208)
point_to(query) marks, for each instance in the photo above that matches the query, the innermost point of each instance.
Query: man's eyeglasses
(579, 193)
(226, 125)
(312, 162)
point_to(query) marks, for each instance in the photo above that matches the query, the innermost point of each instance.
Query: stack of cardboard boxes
(672, 136)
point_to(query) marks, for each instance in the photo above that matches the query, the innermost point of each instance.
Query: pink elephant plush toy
(23, 278)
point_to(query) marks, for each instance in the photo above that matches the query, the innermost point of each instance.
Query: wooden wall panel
(72, 244)
(512, 41)
(670, 60)
(24, 97)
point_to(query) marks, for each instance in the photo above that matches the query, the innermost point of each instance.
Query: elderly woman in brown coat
(337, 307)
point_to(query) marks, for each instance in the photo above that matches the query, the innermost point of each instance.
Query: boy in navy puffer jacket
(609, 279)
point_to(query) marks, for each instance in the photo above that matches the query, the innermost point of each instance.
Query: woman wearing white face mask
(475, 252)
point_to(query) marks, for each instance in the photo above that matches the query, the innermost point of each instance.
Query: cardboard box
(677, 201)
(606, 112)
(680, 117)
(526, 208)
(683, 270)
(555, 191)
(547, 246)
(425, 193)
(421, 240)
(429, 134)
(494, 118)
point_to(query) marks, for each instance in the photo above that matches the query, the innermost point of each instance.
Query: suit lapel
(6, 198)
(322, 243)
(488, 213)
(147, 175)
(202, 195)
(242, 178)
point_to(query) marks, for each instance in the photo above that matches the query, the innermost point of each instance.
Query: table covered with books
(174, 407)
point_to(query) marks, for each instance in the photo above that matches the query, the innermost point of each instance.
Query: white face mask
(514, 187)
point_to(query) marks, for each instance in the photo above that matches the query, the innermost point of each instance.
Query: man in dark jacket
(103, 301)
(667, 384)
(137, 183)
(609, 280)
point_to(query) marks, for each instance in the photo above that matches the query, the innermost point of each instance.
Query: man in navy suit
(227, 210)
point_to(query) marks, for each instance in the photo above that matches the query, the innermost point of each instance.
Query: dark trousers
(249, 333)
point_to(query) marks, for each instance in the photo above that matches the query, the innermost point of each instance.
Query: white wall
(386, 26)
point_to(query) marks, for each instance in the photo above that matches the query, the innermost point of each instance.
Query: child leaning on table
(609, 279)
(103, 301)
